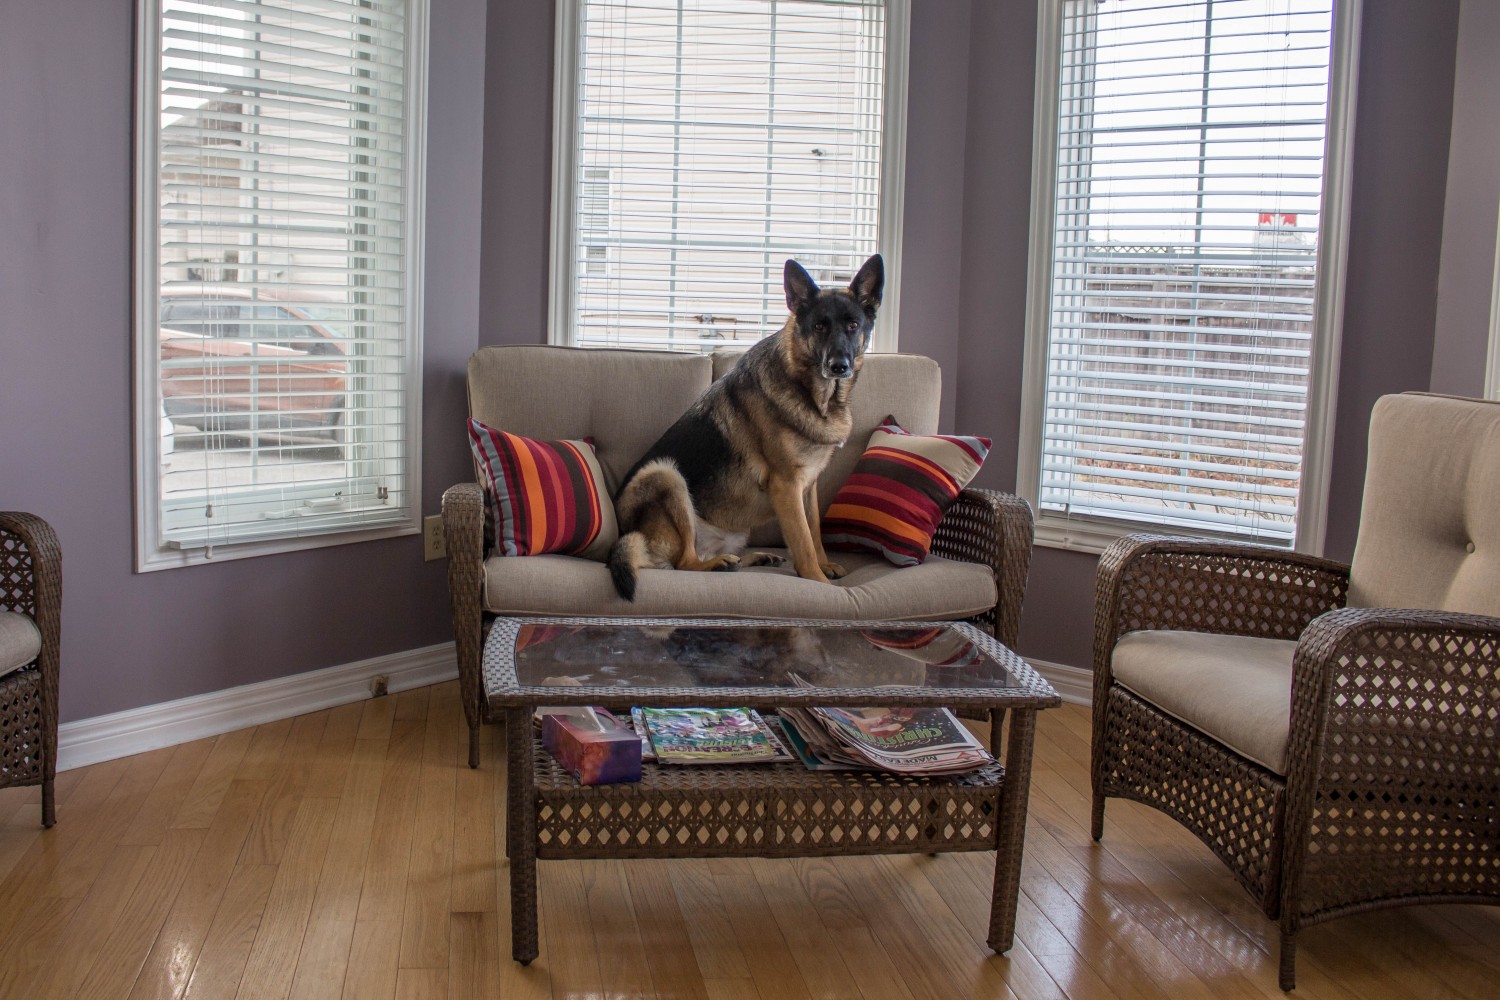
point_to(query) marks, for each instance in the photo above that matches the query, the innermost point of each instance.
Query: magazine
(711, 736)
(638, 723)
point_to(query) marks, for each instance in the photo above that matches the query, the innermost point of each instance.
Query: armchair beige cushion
(1182, 673)
(20, 641)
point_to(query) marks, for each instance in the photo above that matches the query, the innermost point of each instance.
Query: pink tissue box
(595, 756)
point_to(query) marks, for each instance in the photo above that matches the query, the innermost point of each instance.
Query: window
(1184, 310)
(278, 244)
(700, 143)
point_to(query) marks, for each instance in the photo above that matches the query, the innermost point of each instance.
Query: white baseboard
(1075, 684)
(106, 737)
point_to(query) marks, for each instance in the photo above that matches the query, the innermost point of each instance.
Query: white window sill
(174, 558)
(1093, 537)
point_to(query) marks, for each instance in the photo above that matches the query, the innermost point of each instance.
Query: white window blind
(712, 140)
(1187, 220)
(278, 269)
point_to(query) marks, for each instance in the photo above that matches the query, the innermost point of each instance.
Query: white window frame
(560, 309)
(1094, 535)
(152, 551)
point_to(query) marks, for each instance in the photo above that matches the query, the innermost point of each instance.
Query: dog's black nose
(839, 367)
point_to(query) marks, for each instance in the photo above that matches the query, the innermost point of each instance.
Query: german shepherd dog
(752, 446)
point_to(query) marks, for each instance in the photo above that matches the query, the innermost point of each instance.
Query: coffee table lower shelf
(752, 810)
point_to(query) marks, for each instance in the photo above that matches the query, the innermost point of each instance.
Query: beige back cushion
(624, 400)
(1429, 533)
(906, 386)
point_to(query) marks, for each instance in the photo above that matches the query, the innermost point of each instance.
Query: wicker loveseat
(623, 400)
(1328, 730)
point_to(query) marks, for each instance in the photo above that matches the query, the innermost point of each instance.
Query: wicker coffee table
(758, 810)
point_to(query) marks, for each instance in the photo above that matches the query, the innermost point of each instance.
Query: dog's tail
(625, 558)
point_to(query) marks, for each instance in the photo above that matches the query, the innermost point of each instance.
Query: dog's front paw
(764, 559)
(833, 570)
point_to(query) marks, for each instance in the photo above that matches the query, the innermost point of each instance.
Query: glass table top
(711, 658)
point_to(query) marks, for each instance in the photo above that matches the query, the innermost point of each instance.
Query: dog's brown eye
(821, 327)
(852, 327)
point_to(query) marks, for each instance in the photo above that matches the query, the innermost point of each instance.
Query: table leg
(1011, 832)
(520, 834)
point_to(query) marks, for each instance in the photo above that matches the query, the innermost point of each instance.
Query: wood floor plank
(133, 927)
(716, 948)
(221, 964)
(617, 937)
(166, 797)
(278, 941)
(213, 780)
(169, 963)
(425, 911)
(474, 956)
(122, 871)
(288, 772)
(662, 928)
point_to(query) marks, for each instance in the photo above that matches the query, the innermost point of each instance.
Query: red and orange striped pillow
(899, 491)
(542, 496)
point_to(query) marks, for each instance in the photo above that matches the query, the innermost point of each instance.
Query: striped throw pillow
(542, 496)
(899, 491)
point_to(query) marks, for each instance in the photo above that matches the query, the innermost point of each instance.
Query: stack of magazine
(902, 740)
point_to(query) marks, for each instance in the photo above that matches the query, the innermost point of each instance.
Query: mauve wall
(1460, 349)
(65, 375)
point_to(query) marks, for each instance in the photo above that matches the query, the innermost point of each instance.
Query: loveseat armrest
(996, 529)
(463, 534)
(1383, 698)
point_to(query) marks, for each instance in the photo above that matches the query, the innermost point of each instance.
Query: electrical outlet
(434, 546)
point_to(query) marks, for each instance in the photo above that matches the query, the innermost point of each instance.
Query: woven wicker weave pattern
(31, 583)
(1394, 784)
(984, 526)
(1232, 805)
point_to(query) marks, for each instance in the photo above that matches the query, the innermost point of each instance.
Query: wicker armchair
(1337, 758)
(30, 616)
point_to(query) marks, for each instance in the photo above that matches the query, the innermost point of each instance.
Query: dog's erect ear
(801, 290)
(869, 283)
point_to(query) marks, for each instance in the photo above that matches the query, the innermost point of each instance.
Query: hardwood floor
(351, 853)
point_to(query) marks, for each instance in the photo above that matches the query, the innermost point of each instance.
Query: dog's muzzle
(837, 368)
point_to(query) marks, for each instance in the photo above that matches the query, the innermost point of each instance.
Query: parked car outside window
(237, 364)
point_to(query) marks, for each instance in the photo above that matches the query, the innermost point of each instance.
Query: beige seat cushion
(1237, 689)
(20, 641)
(939, 589)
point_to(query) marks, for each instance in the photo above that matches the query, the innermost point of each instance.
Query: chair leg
(49, 807)
(474, 743)
(1288, 972)
(1096, 819)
